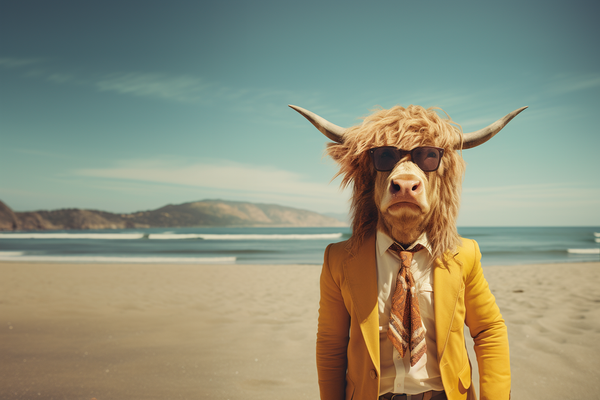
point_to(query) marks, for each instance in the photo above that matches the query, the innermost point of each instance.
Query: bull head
(404, 199)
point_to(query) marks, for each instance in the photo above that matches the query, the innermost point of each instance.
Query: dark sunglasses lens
(385, 158)
(427, 158)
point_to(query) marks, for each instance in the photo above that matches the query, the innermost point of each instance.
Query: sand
(71, 331)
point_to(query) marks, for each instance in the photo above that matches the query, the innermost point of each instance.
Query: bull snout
(402, 193)
(406, 188)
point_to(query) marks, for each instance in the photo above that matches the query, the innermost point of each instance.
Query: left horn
(332, 131)
(474, 139)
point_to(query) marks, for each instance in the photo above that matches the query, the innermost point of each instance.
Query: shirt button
(373, 374)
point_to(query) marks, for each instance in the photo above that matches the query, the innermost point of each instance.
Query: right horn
(474, 139)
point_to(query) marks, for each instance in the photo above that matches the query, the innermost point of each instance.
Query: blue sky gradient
(128, 105)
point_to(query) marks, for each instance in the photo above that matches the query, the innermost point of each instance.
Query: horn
(332, 131)
(474, 139)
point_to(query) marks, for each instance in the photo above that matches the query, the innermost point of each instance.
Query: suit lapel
(360, 270)
(447, 282)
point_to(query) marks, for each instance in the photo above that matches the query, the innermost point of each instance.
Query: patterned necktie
(406, 328)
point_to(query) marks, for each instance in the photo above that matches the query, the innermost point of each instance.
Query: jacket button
(373, 374)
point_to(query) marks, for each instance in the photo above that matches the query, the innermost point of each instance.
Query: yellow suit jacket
(348, 331)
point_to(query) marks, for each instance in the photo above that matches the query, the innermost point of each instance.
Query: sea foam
(206, 236)
(96, 236)
(170, 236)
(20, 257)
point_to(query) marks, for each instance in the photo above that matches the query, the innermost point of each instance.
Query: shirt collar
(384, 242)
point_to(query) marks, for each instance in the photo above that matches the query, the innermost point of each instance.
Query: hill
(205, 213)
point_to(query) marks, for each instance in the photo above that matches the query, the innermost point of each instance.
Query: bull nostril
(405, 187)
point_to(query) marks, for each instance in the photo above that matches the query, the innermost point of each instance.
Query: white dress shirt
(397, 376)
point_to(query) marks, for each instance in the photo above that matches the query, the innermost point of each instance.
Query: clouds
(258, 182)
(552, 204)
(181, 88)
(186, 89)
(9, 62)
(567, 83)
(566, 192)
(201, 91)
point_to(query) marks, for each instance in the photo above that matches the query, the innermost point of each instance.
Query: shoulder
(341, 253)
(333, 265)
(468, 247)
(338, 250)
(351, 249)
(467, 255)
(336, 254)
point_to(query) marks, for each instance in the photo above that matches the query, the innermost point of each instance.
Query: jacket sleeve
(489, 334)
(332, 334)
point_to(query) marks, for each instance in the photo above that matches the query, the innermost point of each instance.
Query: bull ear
(332, 131)
(474, 139)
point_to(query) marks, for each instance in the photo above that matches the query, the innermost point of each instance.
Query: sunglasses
(427, 157)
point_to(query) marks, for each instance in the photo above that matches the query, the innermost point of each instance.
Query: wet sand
(70, 331)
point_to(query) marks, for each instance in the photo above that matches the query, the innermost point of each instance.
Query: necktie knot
(406, 256)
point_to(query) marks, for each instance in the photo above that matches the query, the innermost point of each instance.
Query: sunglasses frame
(403, 153)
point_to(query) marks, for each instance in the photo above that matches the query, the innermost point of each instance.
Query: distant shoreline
(205, 213)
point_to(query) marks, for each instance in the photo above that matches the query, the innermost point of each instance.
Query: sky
(126, 105)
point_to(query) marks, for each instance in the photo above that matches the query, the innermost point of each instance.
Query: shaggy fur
(405, 128)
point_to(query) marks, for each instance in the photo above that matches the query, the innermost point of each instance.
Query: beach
(160, 331)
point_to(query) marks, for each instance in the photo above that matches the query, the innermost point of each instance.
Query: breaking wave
(100, 236)
(223, 236)
(21, 257)
(171, 236)
(584, 251)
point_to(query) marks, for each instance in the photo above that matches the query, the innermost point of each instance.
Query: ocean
(499, 246)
